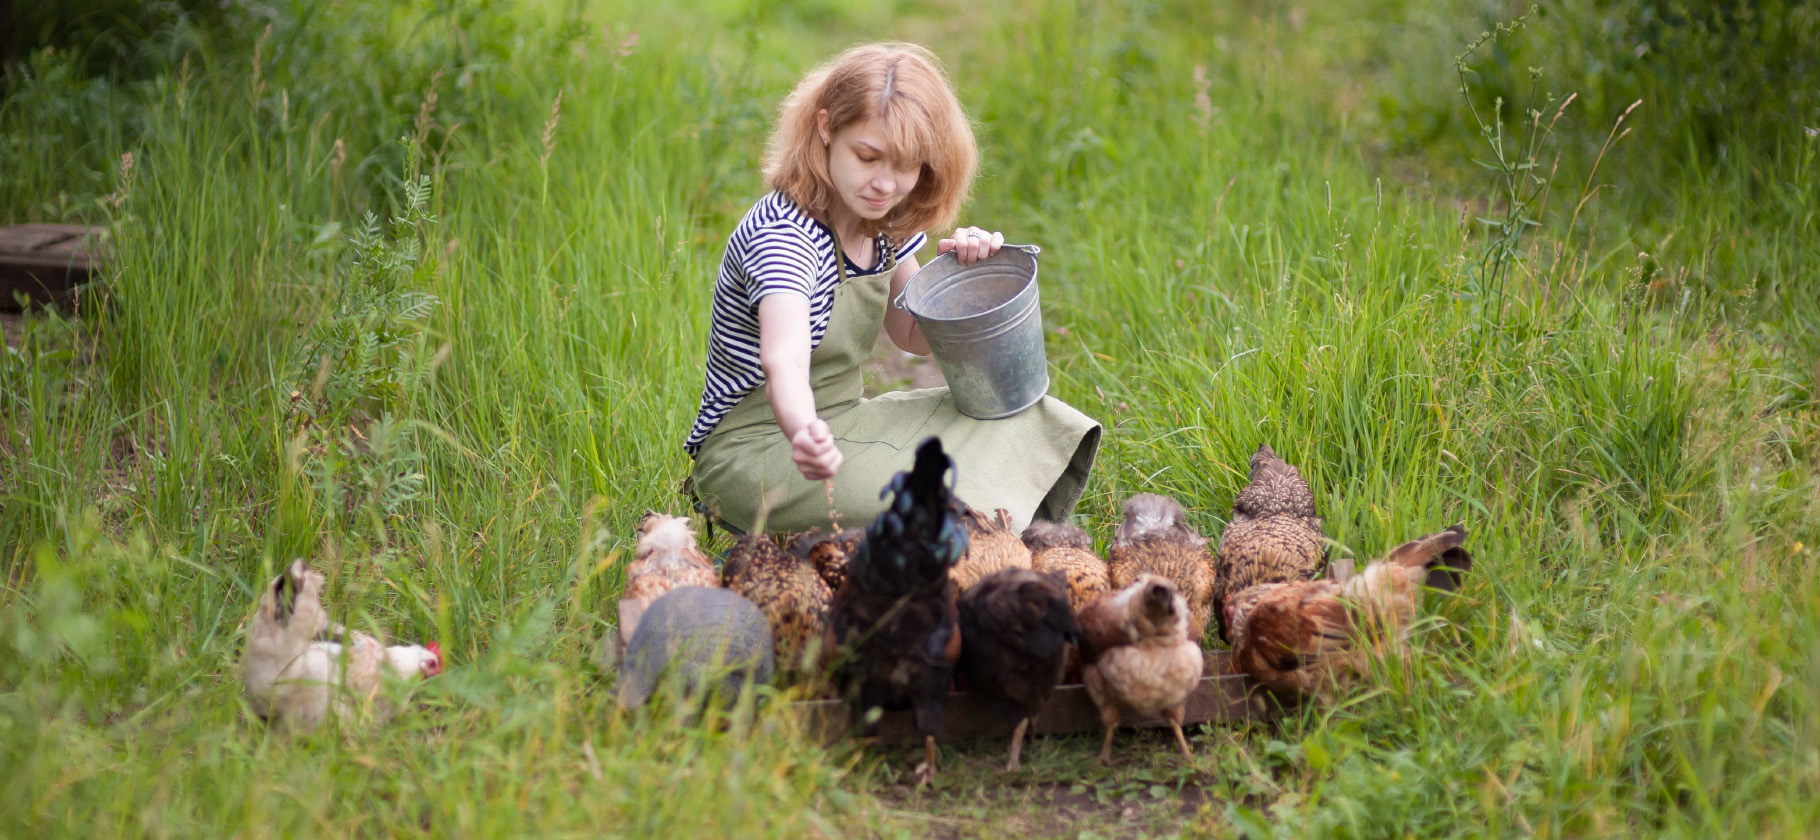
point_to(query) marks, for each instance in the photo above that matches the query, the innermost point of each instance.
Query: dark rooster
(1016, 631)
(1308, 639)
(895, 615)
(1274, 537)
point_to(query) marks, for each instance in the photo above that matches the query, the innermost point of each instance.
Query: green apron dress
(1033, 464)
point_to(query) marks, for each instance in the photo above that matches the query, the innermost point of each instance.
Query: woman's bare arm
(899, 323)
(783, 353)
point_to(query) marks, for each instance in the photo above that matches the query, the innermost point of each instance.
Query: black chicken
(1016, 626)
(895, 613)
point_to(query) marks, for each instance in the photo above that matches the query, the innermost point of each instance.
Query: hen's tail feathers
(1264, 459)
(918, 525)
(286, 589)
(1443, 554)
(1044, 534)
(925, 478)
(1150, 513)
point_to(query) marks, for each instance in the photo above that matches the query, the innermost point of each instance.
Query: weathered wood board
(1221, 696)
(47, 262)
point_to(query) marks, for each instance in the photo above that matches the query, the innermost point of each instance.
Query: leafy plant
(355, 377)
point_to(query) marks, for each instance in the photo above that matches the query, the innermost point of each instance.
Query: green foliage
(356, 376)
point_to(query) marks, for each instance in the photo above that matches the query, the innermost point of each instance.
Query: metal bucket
(985, 327)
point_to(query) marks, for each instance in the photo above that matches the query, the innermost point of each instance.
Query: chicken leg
(1106, 745)
(925, 772)
(1017, 745)
(1175, 716)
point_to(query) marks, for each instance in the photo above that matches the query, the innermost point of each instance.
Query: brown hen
(992, 547)
(664, 558)
(794, 599)
(1016, 632)
(1138, 657)
(1066, 551)
(1155, 540)
(1274, 537)
(828, 553)
(1307, 639)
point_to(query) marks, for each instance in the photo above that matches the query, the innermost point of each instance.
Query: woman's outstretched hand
(971, 244)
(814, 452)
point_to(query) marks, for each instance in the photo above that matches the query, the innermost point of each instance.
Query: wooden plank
(1221, 696)
(47, 262)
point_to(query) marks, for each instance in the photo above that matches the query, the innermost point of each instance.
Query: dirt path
(891, 369)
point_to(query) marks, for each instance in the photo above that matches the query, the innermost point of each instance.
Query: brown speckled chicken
(828, 553)
(1138, 658)
(664, 558)
(1155, 540)
(1062, 549)
(1274, 537)
(1307, 639)
(992, 547)
(794, 599)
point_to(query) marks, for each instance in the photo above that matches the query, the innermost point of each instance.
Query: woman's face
(868, 181)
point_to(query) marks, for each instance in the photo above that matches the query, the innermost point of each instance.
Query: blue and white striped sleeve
(911, 246)
(780, 257)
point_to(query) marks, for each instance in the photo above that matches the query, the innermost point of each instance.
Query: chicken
(1137, 657)
(1067, 551)
(895, 616)
(991, 547)
(664, 558)
(1016, 631)
(828, 553)
(1274, 537)
(794, 599)
(1154, 539)
(1307, 639)
(299, 668)
(708, 640)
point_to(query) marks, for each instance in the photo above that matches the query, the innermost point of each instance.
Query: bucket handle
(898, 302)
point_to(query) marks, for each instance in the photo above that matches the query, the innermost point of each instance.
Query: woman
(870, 150)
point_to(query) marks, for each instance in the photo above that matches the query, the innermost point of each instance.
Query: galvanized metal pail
(985, 327)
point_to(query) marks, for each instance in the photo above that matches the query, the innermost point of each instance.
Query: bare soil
(891, 369)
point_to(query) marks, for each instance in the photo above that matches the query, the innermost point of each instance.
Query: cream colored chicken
(664, 558)
(299, 667)
(1137, 657)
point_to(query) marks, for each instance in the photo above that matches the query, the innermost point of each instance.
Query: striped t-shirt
(776, 248)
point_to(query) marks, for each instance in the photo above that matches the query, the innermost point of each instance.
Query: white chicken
(299, 667)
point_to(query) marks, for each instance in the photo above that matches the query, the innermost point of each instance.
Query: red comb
(435, 648)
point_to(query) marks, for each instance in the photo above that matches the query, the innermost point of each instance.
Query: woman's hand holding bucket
(971, 244)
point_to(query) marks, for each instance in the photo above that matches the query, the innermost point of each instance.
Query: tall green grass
(1236, 250)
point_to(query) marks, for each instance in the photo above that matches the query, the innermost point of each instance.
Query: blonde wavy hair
(902, 86)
